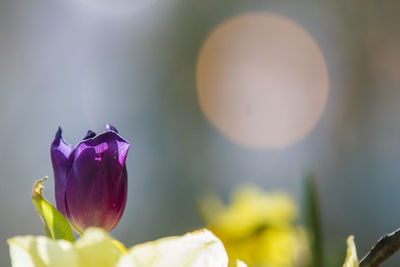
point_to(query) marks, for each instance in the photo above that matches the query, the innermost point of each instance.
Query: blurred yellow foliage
(257, 227)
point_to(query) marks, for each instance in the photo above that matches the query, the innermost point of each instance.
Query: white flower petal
(197, 249)
(31, 251)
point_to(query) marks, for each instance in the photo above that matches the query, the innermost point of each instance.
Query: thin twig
(386, 247)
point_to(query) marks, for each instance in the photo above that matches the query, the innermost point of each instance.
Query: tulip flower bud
(91, 180)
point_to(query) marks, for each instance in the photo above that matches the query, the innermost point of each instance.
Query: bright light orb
(262, 81)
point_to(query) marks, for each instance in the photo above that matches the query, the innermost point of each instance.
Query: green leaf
(313, 221)
(55, 224)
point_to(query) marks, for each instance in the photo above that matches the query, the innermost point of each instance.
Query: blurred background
(212, 95)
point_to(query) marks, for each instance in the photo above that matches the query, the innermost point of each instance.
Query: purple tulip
(91, 180)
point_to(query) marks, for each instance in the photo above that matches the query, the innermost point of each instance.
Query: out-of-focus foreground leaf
(351, 257)
(55, 224)
(97, 248)
(312, 221)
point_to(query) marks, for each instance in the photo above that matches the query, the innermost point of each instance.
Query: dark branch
(386, 247)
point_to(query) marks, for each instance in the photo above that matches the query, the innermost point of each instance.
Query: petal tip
(109, 127)
(58, 133)
(58, 138)
(89, 134)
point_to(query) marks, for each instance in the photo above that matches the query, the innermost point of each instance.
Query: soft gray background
(69, 64)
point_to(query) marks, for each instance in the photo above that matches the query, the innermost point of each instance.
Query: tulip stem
(386, 246)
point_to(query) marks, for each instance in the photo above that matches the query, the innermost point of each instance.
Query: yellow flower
(98, 249)
(257, 227)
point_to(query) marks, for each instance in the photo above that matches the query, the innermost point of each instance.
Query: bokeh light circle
(261, 81)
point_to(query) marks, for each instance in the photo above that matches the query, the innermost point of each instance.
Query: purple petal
(90, 134)
(62, 162)
(97, 182)
(109, 127)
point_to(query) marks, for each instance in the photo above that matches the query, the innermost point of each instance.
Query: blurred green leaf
(312, 221)
(55, 224)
